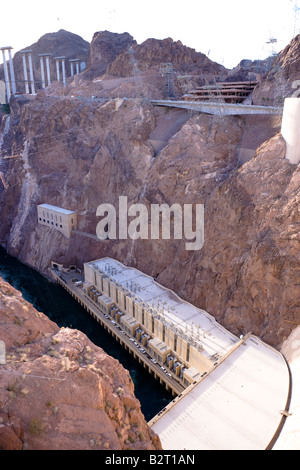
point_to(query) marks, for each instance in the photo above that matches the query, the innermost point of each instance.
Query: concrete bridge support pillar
(76, 63)
(290, 129)
(12, 72)
(31, 73)
(6, 78)
(10, 82)
(42, 70)
(62, 60)
(63, 72)
(41, 56)
(28, 54)
(57, 70)
(48, 69)
(25, 74)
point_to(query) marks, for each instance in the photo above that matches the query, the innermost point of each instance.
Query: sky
(225, 30)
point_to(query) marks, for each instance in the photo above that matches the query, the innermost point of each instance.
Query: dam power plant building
(230, 393)
(187, 339)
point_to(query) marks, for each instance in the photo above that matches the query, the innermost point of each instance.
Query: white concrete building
(184, 337)
(57, 218)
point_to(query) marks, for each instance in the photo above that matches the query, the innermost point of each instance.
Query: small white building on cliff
(57, 218)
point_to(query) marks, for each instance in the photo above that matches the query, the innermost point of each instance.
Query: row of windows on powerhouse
(48, 222)
(48, 217)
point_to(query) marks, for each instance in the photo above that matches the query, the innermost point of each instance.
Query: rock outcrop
(152, 52)
(104, 49)
(145, 60)
(280, 81)
(250, 70)
(58, 391)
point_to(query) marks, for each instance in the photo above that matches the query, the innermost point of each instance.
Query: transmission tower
(272, 42)
(166, 71)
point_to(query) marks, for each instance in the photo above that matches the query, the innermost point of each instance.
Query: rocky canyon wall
(92, 141)
(80, 153)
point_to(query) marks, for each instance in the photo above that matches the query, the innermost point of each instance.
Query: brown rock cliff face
(250, 261)
(90, 153)
(152, 52)
(250, 70)
(143, 61)
(80, 152)
(104, 49)
(58, 391)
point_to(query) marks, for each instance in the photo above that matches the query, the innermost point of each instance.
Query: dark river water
(60, 307)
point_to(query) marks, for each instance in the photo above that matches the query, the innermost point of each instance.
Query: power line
(68, 137)
(24, 375)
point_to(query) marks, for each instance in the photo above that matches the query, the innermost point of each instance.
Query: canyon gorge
(100, 137)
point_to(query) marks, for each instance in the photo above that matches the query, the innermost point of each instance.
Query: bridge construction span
(229, 392)
(219, 109)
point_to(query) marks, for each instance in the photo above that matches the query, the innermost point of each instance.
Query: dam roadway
(241, 403)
